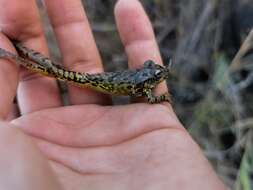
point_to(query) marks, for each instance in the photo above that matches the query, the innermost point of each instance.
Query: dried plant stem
(246, 46)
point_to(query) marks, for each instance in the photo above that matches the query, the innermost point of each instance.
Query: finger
(91, 128)
(8, 79)
(77, 45)
(137, 35)
(20, 20)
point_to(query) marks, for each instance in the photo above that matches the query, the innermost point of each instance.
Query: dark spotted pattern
(136, 83)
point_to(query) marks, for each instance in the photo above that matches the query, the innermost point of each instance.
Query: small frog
(136, 82)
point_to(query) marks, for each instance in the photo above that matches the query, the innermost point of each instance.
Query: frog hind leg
(35, 56)
(166, 97)
(33, 66)
(46, 67)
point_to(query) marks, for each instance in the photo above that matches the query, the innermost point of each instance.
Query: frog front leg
(166, 97)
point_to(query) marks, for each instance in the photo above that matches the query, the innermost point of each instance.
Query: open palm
(91, 144)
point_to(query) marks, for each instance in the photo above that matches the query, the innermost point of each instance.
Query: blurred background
(212, 78)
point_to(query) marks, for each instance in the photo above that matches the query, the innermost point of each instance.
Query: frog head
(157, 73)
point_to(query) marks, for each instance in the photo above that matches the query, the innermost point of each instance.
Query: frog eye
(149, 63)
(158, 73)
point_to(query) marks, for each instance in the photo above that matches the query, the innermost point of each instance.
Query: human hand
(89, 145)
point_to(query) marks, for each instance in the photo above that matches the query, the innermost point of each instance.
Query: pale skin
(88, 145)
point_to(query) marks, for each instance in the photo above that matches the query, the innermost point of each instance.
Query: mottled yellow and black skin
(135, 83)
